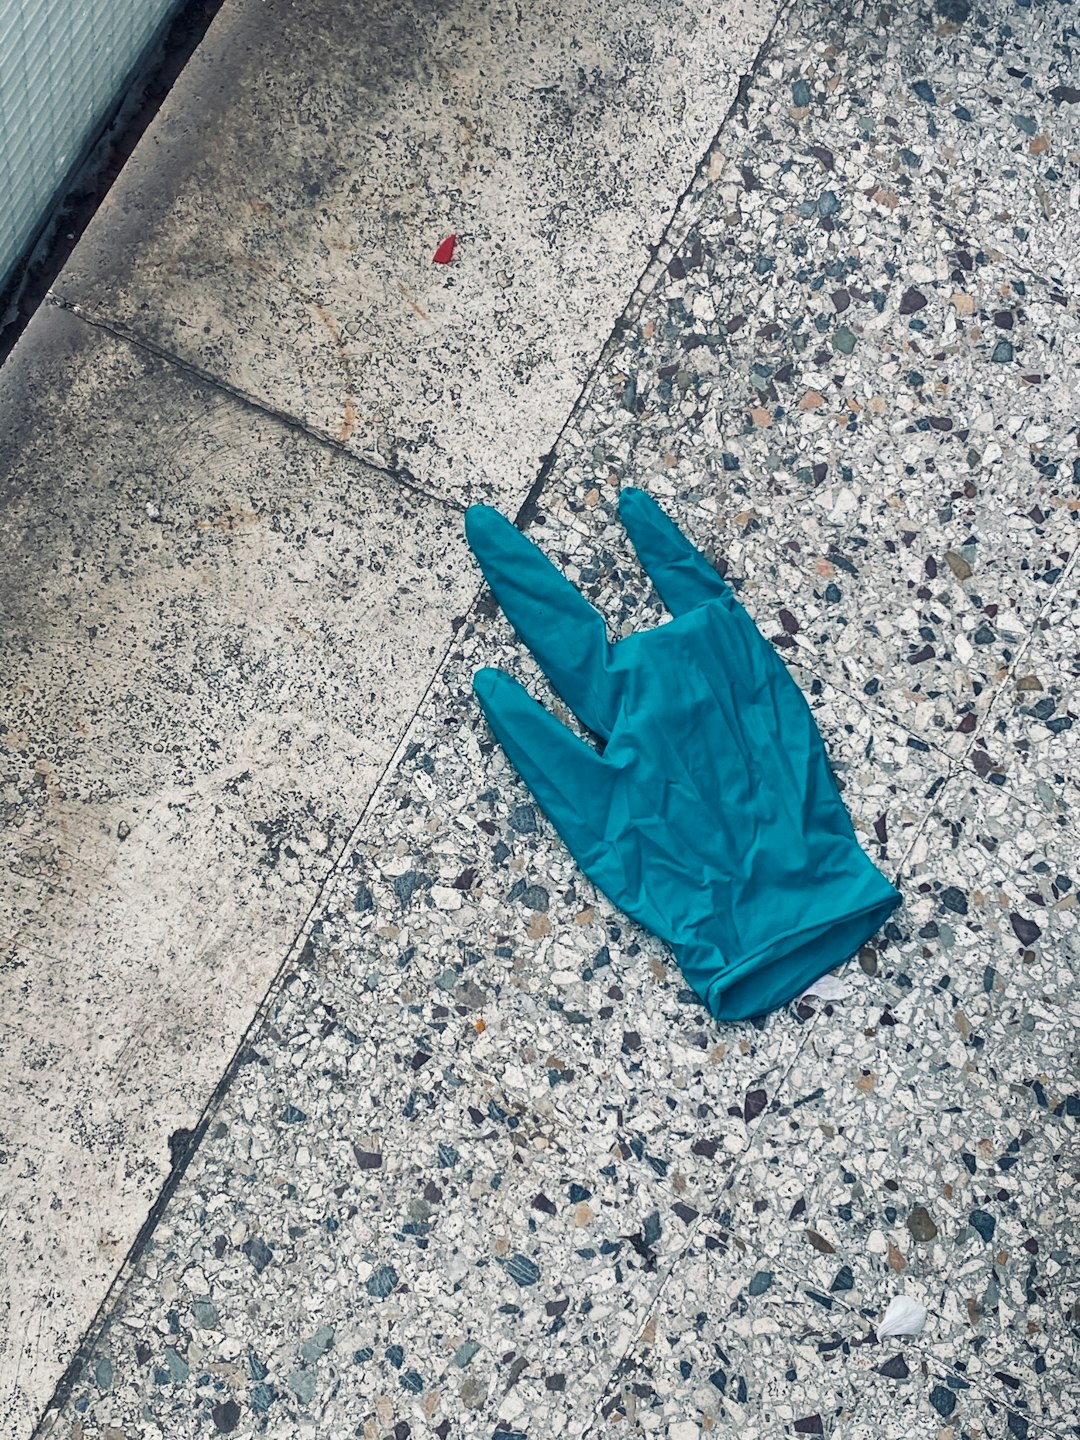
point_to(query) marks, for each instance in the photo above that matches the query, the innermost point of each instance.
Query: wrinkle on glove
(712, 817)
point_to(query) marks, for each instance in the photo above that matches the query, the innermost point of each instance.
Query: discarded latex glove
(903, 1316)
(711, 817)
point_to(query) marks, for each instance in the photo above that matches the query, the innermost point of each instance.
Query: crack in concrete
(399, 475)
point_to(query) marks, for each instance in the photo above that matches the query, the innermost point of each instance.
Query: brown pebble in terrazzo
(920, 1224)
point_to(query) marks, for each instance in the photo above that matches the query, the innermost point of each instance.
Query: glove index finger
(682, 575)
(565, 633)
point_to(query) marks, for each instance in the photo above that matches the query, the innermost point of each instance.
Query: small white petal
(903, 1317)
(828, 987)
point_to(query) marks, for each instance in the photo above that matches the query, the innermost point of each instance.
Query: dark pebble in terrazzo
(226, 1416)
(844, 1279)
(262, 1397)
(754, 1104)
(761, 1282)
(953, 899)
(895, 1368)
(809, 1425)
(828, 204)
(912, 300)
(955, 10)
(523, 819)
(1003, 352)
(920, 1223)
(943, 1400)
(1027, 932)
(521, 1269)
(983, 1223)
(534, 897)
(258, 1252)
(405, 886)
(382, 1282)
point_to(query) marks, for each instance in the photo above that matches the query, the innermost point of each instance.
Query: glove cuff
(840, 918)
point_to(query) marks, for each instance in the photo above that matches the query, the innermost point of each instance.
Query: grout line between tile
(397, 474)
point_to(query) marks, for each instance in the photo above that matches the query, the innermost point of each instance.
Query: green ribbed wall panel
(64, 64)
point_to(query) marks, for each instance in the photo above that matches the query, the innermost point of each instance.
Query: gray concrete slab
(214, 632)
(277, 227)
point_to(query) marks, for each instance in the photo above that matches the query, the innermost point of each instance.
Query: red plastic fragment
(445, 253)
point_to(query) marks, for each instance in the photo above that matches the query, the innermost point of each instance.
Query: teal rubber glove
(711, 817)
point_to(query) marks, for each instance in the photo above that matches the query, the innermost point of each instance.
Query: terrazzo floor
(485, 1168)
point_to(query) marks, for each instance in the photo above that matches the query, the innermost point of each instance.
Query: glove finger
(682, 575)
(568, 778)
(560, 627)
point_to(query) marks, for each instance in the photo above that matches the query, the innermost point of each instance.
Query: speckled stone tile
(735, 1344)
(924, 614)
(877, 604)
(434, 1225)
(215, 631)
(871, 420)
(979, 114)
(529, 1068)
(1029, 742)
(277, 227)
(928, 1145)
(822, 315)
(796, 363)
